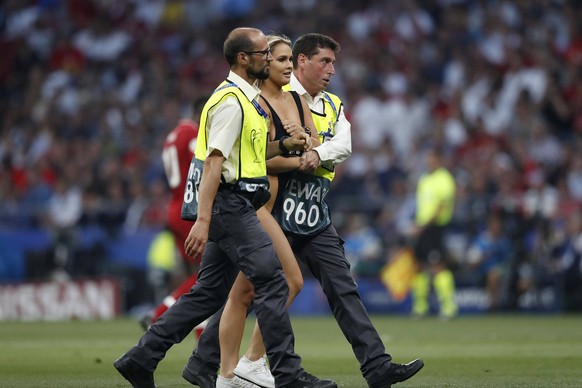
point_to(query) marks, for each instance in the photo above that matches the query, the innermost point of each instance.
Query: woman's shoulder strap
(299, 105)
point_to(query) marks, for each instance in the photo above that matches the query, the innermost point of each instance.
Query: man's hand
(196, 240)
(293, 128)
(309, 161)
(299, 141)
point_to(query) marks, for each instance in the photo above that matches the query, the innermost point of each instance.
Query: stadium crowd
(89, 90)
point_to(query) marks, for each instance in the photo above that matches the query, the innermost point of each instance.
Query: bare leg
(232, 324)
(234, 315)
(292, 273)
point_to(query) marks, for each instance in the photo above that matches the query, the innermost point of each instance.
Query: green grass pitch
(474, 351)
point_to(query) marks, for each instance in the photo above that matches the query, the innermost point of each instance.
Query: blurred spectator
(542, 146)
(473, 203)
(64, 211)
(555, 109)
(363, 246)
(387, 168)
(566, 263)
(148, 207)
(489, 258)
(100, 42)
(574, 177)
(525, 117)
(367, 115)
(540, 203)
(111, 212)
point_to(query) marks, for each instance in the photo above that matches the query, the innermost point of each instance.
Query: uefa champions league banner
(54, 301)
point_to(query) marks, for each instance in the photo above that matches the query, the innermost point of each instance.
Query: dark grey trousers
(236, 240)
(324, 256)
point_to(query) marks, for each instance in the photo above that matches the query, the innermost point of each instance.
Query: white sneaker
(257, 372)
(235, 382)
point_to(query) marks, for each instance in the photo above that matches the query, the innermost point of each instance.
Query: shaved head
(240, 39)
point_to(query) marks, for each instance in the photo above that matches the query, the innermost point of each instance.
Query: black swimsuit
(279, 130)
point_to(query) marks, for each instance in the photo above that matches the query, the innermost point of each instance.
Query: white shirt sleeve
(338, 148)
(225, 126)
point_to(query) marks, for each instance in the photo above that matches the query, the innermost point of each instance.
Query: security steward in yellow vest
(305, 217)
(225, 188)
(435, 200)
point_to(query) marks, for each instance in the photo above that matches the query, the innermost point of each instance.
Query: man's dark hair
(237, 41)
(310, 44)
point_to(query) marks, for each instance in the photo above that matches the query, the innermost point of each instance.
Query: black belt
(256, 198)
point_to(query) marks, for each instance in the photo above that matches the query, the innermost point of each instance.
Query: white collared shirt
(338, 148)
(225, 124)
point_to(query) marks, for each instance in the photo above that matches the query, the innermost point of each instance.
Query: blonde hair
(275, 39)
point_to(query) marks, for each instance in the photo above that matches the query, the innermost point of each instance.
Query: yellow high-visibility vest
(433, 189)
(253, 137)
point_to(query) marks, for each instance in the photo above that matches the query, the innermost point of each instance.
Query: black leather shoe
(199, 374)
(134, 373)
(306, 380)
(395, 373)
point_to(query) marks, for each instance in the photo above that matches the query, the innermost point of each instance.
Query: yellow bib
(253, 137)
